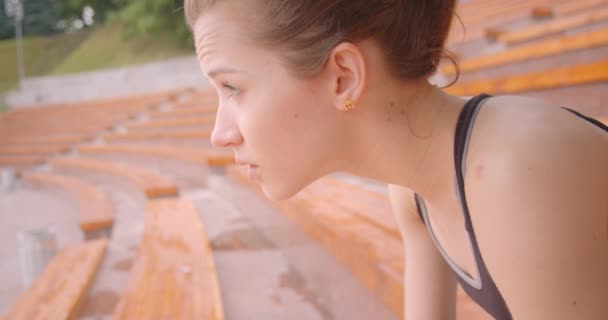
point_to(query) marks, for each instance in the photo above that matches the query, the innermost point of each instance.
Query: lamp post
(14, 8)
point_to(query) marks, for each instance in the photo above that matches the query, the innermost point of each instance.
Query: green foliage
(41, 55)
(40, 18)
(105, 48)
(72, 9)
(149, 17)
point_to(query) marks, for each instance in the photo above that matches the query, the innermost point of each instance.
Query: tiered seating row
(96, 213)
(357, 226)
(57, 293)
(174, 276)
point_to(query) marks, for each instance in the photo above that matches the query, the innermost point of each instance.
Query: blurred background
(63, 37)
(114, 205)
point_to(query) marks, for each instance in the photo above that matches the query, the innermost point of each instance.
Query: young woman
(312, 87)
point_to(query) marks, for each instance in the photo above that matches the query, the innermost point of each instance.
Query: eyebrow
(220, 70)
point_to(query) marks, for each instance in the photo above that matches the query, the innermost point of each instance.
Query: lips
(252, 169)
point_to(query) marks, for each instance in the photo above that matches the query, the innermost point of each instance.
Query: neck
(406, 138)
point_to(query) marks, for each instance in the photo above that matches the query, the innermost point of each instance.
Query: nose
(225, 132)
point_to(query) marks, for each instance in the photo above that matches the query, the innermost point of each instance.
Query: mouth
(252, 169)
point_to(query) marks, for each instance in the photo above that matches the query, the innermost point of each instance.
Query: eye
(232, 89)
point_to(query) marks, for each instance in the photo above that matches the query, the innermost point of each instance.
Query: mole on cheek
(295, 116)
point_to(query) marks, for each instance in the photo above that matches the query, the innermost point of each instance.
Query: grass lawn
(106, 48)
(41, 55)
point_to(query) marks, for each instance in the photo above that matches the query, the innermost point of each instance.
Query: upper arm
(540, 213)
(429, 283)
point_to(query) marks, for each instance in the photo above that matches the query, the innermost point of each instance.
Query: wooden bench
(152, 184)
(192, 121)
(478, 15)
(60, 289)
(555, 78)
(95, 210)
(554, 26)
(181, 113)
(199, 157)
(44, 140)
(199, 134)
(38, 150)
(544, 48)
(174, 275)
(357, 226)
(569, 7)
(21, 160)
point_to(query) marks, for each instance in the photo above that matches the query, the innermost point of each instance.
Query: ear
(348, 74)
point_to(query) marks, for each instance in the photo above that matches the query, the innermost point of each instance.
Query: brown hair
(411, 33)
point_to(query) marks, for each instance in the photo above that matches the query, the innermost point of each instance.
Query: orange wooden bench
(95, 210)
(45, 140)
(60, 289)
(200, 157)
(38, 150)
(150, 183)
(192, 121)
(21, 160)
(202, 134)
(543, 48)
(554, 26)
(180, 113)
(569, 7)
(174, 275)
(359, 234)
(559, 77)
(478, 15)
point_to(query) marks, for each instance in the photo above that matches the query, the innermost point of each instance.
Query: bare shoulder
(536, 186)
(517, 128)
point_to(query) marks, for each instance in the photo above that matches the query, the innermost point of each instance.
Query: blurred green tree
(40, 18)
(72, 9)
(155, 16)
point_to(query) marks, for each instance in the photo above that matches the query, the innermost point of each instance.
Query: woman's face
(285, 125)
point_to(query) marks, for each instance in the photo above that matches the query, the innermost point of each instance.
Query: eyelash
(233, 90)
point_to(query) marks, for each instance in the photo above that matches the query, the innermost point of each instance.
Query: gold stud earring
(348, 105)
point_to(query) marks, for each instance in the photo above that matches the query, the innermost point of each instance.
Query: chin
(285, 191)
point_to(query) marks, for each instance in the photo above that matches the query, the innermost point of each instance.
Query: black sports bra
(482, 289)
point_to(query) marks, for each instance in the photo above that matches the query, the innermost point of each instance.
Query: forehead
(223, 28)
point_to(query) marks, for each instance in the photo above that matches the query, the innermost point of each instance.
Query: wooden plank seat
(174, 275)
(554, 26)
(593, 72)
(193, 121)
(202, 134)
(21, 160)
(370, 206)
(152, 184)
(543, 48)
(95, 210)
(67, 139)
(478, 15)
(60, 289)
(200, 157)
(569, 7)
(38, 150)
(374, 256)
(195, 103)
(181, 113)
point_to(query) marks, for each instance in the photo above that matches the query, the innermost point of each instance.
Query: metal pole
(19, 37)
